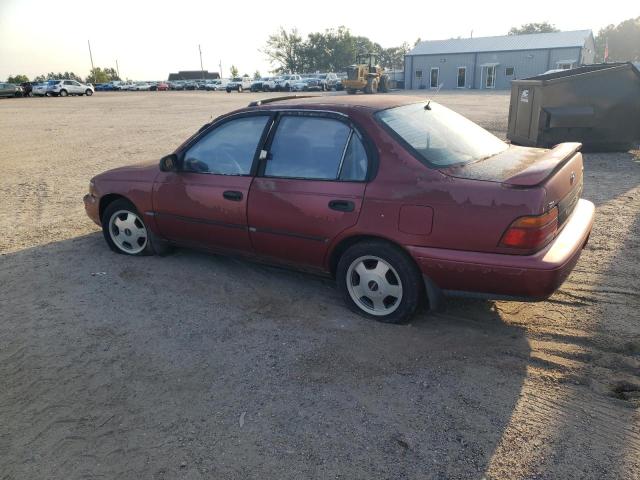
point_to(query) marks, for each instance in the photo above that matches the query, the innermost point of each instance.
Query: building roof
(193, 75)
(531, 41)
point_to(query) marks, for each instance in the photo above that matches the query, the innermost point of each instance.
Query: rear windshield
(439, 136)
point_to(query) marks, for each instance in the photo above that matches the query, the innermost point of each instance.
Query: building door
(462, 77)
(490, 79)
(435, 74)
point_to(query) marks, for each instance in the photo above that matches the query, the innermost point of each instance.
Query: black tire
(351, 91)
(153, 246)
(409, 278)
(239, 88)
(63, 93)
(383, 86)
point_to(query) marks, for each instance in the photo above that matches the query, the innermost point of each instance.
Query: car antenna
(428, 105)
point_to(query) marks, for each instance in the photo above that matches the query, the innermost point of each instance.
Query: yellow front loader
(366, 75)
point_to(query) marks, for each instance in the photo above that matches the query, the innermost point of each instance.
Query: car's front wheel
(125, 231)
(63, 93)
(380, 281)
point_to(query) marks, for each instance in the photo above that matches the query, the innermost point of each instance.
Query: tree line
(96, 75)
(331, 50)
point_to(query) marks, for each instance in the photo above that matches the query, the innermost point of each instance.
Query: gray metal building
(492, 62)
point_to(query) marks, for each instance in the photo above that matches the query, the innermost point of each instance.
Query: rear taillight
(531, 232)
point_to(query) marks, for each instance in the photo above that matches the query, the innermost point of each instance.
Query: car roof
(341, 102)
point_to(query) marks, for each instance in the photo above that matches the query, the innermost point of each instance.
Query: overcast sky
(152, 38)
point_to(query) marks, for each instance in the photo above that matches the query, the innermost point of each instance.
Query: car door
(309, 188)
(204, 204)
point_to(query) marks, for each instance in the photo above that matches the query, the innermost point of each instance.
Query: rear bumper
(534, 276)
(91, 206)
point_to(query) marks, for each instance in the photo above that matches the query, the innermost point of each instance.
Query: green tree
(17, 79)
(623, 40)
(234, 71)
(543, 27)
(58, 76)
(256, 75)
(284, 50)
(97, 75)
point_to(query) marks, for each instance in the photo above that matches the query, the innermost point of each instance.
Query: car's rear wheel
(126, 233)
(239, 88)
(63, 93)
(380, 281)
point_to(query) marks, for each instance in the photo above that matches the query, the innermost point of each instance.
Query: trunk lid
(559, 171)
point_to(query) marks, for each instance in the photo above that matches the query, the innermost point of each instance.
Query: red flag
(606, 51)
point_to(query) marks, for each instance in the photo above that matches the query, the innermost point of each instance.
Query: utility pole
(117, 68)
(220, 65)
(201, 67)
(91, 57)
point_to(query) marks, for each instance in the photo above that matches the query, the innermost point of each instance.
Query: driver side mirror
(169, 163)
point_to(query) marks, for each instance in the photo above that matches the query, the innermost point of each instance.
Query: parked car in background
(238, 84)
(176, 85)
(308, 84)
(190, 85)
(329, 80)
(42, 89)
(10, 90)
(64, 88)
(162, 86)
(285, 82)
(395, 197)
(271, 83)
(141, 86)
(27, 88)
(260, 85)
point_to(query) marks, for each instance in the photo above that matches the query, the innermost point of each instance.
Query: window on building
(509, 71)
(435, 74)
(418, 73)
(462, 77)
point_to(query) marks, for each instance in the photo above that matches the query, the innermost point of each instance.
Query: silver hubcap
(127, 231)
(374, 285)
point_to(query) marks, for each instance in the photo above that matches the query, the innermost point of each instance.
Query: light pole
(201, 67)
(91, 57)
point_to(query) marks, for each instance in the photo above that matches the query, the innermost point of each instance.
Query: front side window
(309, 148)
(228, 149)
(440, 136)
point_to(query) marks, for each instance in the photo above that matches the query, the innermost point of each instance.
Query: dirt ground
(194, 366)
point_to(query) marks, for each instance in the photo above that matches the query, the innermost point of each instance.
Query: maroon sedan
(398, 198)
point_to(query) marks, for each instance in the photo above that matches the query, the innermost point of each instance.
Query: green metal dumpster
(597, 105)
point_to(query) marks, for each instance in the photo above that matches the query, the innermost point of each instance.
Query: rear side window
(313, 148)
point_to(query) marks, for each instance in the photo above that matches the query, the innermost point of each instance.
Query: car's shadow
(153, 367)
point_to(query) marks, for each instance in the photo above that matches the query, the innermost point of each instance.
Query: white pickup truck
(239, 84)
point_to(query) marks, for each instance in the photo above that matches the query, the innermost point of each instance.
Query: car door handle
(232, 195)
(342, 205)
